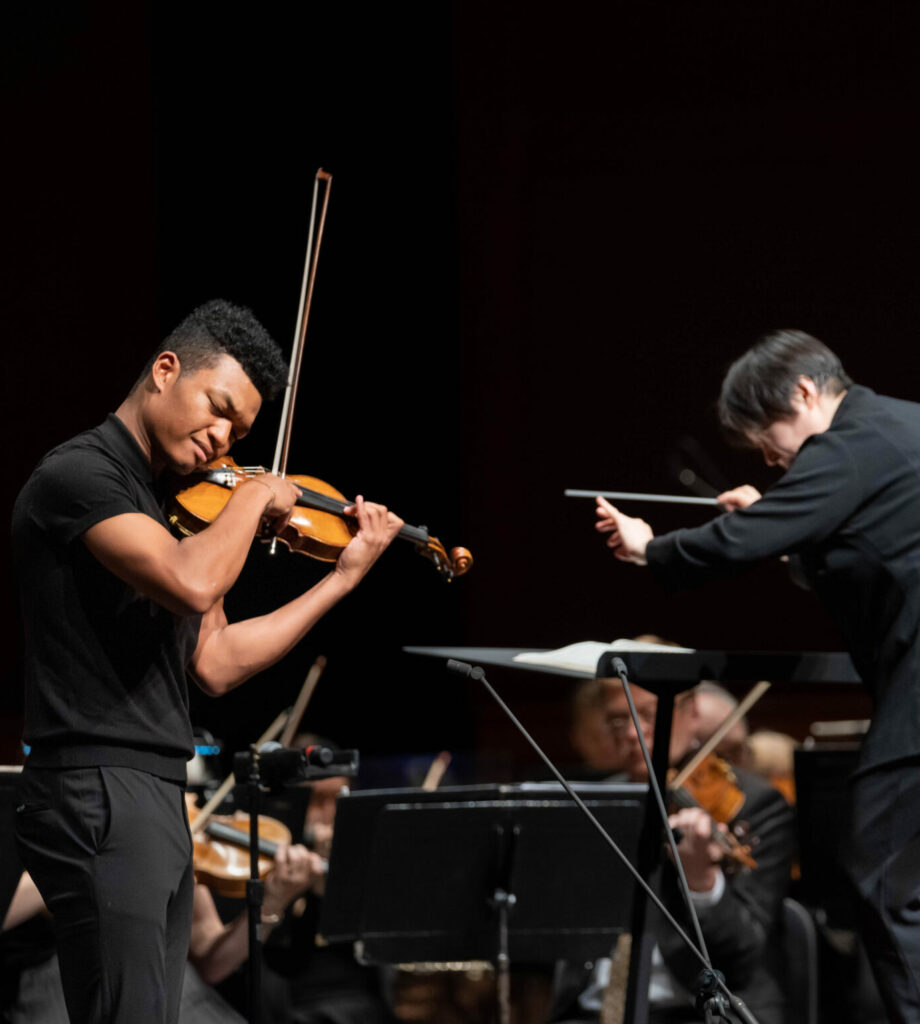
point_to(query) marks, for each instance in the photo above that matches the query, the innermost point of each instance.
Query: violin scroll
(449, 566)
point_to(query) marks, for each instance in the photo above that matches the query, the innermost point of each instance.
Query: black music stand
(499, 873)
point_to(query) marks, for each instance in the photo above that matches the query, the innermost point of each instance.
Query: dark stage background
(547, 238)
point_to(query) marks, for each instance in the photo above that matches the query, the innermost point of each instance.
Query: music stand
(481, 873)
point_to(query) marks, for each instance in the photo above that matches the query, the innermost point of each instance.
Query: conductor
(848, 508)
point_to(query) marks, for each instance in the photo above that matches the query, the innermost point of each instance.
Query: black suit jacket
(742, 931)
(849, 505)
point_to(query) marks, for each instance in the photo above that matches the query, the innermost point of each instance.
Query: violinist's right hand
(738, 497)
(284, 495)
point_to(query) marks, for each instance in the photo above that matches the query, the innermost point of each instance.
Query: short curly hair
(220, 328)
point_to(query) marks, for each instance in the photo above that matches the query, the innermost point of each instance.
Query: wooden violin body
(712, 785)
(318, 526)
(221, 849)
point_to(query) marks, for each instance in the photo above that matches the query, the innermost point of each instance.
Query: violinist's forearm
(230, 653)
(188, 576)
(210, 562)
(230, 947)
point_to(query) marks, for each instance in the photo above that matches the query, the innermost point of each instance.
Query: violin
(712, 785)
(318, 526)
(221, 849)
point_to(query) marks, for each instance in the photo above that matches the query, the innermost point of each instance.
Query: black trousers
(111, 854)
(883, 860)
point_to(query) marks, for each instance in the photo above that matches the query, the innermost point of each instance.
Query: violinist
(848, 508)
(116, 613)
(739, 910)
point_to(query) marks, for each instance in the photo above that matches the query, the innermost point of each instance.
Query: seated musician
(589, 733)
(32, 992)
(739, 910)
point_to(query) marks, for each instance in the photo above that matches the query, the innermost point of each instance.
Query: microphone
(279, 765)
(463, 668)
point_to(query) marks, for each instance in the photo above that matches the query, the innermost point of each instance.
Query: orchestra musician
(739, 910)
(33, 993)
(116, 613)
(848, 507)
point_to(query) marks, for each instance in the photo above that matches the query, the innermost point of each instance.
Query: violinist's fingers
(378, 519)
(284, 494)
(316, 867)
(298, 866)
(697, 828)
(377, 527)
(698, 855)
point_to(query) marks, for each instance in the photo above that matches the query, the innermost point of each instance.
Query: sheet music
(583, 657)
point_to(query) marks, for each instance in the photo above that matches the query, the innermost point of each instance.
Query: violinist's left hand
(699, 855)
(296, 870)
(377, 526)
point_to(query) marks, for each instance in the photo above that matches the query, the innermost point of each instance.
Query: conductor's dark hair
(219, 328)
(758, 387)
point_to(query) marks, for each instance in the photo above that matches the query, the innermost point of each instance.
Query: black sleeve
(76, 489)
(818, 493)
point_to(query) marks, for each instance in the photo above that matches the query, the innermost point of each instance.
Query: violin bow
(303, 698)
(436, 771)
(735, 715)
(283, 444)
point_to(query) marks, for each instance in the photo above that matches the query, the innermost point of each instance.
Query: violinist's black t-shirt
(105, 667)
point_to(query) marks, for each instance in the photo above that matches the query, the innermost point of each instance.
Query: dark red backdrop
(547, 238)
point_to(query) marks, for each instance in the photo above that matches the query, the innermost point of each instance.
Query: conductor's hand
(376, 528)
(627, 537)
(738, 497)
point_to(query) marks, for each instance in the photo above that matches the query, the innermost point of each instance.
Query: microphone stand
(293, 765)
(712, 992)
(247, 763)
